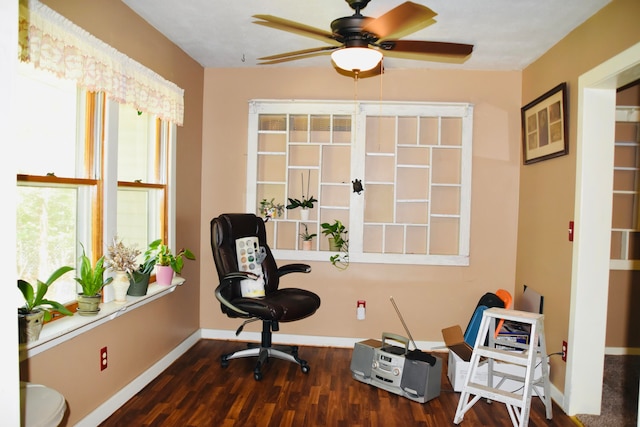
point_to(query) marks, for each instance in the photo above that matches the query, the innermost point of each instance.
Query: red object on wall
(571, 231)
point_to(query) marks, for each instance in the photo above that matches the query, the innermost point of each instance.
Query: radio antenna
(403, 324)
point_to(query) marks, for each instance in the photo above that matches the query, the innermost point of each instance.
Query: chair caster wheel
(257, 376)
(224, 362)
(305, 369)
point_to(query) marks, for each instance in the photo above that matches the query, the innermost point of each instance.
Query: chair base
(289, 353)
(264, 350)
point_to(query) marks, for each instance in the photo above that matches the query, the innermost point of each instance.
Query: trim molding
(316, 341)
(620, 351)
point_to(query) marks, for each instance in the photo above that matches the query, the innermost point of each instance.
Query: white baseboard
(105, 410)
(622, 351)
(316, 341)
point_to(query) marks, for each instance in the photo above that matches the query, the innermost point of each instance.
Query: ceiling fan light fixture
(356, 58)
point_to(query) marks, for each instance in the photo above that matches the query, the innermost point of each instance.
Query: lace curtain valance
(51, 42)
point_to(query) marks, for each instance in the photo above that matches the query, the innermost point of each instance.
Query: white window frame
(359, 111)
(66, 328)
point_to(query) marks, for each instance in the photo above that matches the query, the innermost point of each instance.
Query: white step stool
(518, 404)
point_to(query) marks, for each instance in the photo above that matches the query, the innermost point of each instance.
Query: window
(413, 160)
(69, 141)
(142, 154)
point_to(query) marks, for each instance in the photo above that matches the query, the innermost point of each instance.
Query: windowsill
(64, 329)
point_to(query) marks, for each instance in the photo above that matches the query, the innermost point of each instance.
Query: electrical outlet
(103, 358)
(564, 351)
(361, 309)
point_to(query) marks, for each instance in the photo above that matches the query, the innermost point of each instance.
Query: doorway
(592, 234)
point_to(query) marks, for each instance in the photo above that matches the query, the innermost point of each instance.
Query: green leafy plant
(35, 297)
(337, 232)
(306, 201)
(150, 256)
(91, 278)
(305, 235)
(269, 209)
(164, 256)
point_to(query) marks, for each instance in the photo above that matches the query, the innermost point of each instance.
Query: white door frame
(593, 205)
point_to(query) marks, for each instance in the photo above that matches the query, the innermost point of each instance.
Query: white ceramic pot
(120, 286)
(304, 214)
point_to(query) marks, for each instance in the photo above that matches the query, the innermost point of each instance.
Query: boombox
(413, 374)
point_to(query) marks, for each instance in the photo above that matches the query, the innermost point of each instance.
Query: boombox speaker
(421, 379)
(362, 357)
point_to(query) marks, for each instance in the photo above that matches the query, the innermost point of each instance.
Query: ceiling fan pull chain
(355, 84)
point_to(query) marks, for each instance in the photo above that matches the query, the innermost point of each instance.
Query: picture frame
(544, 126)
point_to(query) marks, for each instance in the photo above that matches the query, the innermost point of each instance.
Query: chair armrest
(226, 282)
(294, 268)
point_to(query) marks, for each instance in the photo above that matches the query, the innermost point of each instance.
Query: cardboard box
(457, 370)
(460, 355)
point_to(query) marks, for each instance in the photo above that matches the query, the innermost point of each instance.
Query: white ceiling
(506, 34)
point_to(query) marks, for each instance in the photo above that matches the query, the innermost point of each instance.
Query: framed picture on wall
(544, 126)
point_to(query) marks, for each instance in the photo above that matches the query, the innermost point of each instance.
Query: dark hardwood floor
(197, 391)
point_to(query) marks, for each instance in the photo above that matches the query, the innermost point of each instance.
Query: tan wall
(212, 150)
(141, 337)
(431, 298)
(547, 188)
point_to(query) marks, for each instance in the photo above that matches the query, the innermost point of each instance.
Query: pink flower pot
(164, 275)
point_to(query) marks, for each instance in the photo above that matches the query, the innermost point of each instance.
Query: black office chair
(277, 305)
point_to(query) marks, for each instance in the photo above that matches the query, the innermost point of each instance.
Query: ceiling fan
(357, 41)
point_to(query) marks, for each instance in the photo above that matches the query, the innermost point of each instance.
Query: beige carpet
(619, 394)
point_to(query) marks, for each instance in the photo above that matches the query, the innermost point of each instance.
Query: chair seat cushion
(283, 305)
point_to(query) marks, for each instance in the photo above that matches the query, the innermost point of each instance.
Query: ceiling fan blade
(295, 27)
(297, 53)
(425, 47)
(407, 15)
(296, 57)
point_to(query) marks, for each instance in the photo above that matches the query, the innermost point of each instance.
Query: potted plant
(269, 209)
(167, 263)
(307, 238)
(91, 279)
(37, 309)
(336, 232)
(123, 260)
(139, 280)
(305, 203)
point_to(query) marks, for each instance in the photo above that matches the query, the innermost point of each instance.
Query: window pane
(46, 237)
(136, 145)
(48, 125)
(139, 212)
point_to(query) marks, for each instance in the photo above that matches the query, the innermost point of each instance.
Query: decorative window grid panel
(413, 159)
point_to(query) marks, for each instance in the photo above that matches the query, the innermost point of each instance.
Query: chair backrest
(225, 229)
